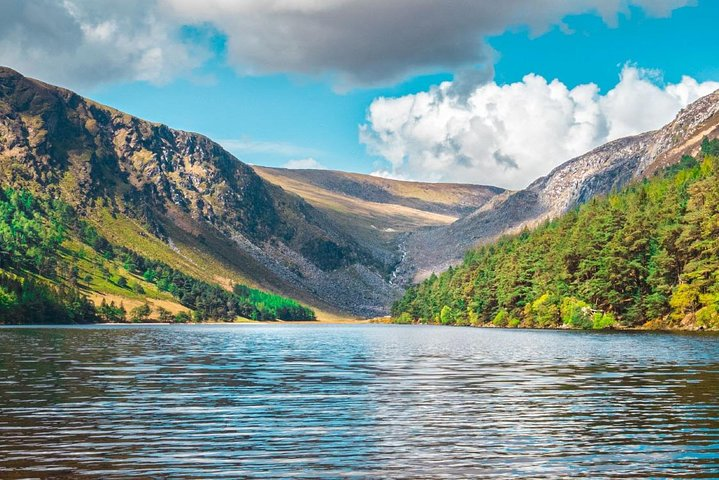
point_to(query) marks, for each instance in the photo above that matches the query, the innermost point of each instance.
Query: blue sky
(273, 116)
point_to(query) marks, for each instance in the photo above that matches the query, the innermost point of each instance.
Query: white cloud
(508, 135)
(304, 163)
(356, 42)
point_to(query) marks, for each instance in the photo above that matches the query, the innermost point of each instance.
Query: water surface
(365, 401)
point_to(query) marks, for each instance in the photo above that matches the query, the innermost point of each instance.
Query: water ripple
(370, 401)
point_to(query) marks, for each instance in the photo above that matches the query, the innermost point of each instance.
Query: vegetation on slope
(50, 260)
(648, 255)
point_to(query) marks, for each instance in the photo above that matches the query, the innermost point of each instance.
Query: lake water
(365, 401)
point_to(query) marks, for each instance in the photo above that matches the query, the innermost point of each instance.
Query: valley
(346, 245)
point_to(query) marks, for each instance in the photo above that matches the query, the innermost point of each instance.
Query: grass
(98, 280)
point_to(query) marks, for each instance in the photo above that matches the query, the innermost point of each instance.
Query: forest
(40, 281)
(646, 256)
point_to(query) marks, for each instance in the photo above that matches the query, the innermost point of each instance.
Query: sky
(473, 91)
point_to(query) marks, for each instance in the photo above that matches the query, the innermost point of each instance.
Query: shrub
(149, 276)
(141, 313)
(684, 300)
(7, 299)
(137, 288)
(473, 317)
(164, 315)
(501, 319)
(576, 313)
(601, 321)
(112, 313)
(544, 311)
(445, 315)
(708, 317)
(404, 318)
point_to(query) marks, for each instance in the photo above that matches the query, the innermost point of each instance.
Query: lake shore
(649, 327)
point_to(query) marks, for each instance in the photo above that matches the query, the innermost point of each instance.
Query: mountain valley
(344, 244)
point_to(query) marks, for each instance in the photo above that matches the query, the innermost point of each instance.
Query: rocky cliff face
(598, 172)
(92, 156)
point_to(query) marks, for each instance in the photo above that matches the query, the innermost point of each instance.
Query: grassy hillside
(447, 199)
(57, 268)
(646, 256)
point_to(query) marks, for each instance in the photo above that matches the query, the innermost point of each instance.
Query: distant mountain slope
(149, 187)
(598, 172)
(451, 199)
(378, 211)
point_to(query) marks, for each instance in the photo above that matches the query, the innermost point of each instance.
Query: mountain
(179, 198)
(379, 212)
(599, 172)
(647, 255)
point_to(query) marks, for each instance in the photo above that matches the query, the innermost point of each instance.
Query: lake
(364, 401)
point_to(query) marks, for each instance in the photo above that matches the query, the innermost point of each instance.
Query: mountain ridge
(644, 256)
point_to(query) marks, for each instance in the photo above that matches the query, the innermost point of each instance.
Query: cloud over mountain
(508, 135)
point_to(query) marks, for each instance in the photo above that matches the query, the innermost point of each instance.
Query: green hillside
(52, 263)
(645, 256)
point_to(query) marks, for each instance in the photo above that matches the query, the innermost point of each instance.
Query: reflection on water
(367, 401)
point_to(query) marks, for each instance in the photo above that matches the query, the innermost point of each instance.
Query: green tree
(445, 316)
(646, 253)
(141, 313)
(164, 315)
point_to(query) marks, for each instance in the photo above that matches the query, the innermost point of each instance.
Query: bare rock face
(92, 156)
(599, 172)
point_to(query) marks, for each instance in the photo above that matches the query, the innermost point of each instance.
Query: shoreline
(361, 322)
(561, 329)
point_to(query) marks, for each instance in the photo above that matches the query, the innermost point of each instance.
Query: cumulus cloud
(356, 42)
(508, 135)
(89, 42)
(304, 163)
